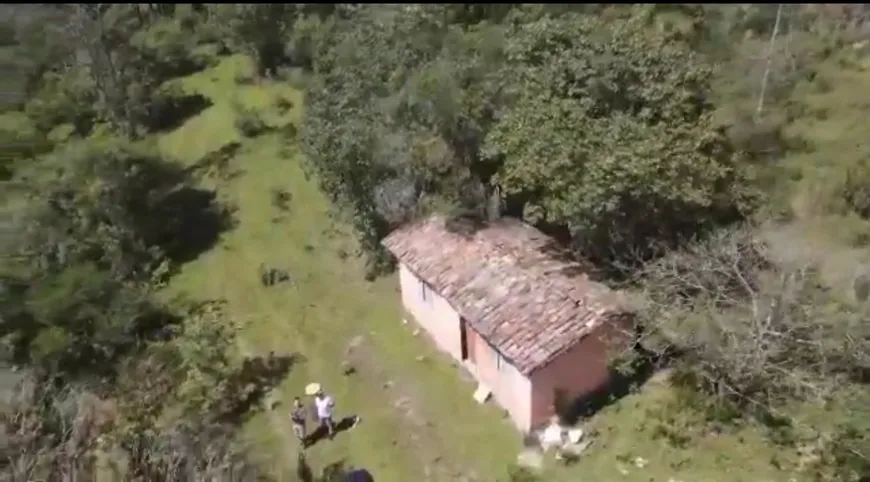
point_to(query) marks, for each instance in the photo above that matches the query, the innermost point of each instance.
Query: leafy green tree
(399, 103)
(602, 128)
(265, 30)
(98, 221)
(609, 132)
(88, 229)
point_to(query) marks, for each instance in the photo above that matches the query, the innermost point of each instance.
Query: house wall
(510, 388)
(579, 371)
(432, 312)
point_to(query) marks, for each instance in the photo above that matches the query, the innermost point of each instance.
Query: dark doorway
(463, 337)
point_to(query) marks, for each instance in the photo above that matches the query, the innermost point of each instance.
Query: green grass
(631, 429)
(326, 306)
(419, 421)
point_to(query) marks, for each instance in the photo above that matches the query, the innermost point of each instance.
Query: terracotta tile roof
(516, 286)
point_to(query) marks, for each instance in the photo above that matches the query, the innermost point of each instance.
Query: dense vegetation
(636, 135)
(708, 158)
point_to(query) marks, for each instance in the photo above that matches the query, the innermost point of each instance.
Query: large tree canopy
(604, 129)
(609, 132)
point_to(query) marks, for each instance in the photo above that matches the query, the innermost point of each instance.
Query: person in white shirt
(325, 405)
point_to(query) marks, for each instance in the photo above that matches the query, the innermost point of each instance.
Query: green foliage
(581, 125)
(206, 346)
(109, 201)
(606, 122)
(849, 455)
(265, 30)
(131, 52)
(79, 320)
(19, 142)
(396, 112)
(93, 224)
(101, 218)
(249, 121)
(64, 99)
(610, 134)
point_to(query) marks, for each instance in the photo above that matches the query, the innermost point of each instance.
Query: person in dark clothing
(298, 417)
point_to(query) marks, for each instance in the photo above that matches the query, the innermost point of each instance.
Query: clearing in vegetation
(418, 415)
(710, 159)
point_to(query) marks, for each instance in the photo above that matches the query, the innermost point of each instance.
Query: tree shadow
(622, 382)
(155, 323)
(257, 376)
(464, 222)
(193, 220)
(572, 265)
(168, 111)
(217, 163)
(155, 204)
(335, 472)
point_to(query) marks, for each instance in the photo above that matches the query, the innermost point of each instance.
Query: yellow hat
(312, 389)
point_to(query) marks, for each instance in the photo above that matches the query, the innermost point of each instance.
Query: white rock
(575, 435)
(482, 394)
(552, 436)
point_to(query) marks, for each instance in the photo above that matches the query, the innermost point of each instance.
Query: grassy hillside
(418, 415)
(154, 184)
(408, 424)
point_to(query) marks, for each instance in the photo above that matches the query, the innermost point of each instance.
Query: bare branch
(766, 75)
(743, 321)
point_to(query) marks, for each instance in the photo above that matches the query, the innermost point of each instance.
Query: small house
(507, 302)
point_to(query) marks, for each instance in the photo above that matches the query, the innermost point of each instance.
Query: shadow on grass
(321, 432)
(217, 163)
(193, 220)
(154, 202)
(334, 472)
(258, 375)
(168, 111)
(621, 383)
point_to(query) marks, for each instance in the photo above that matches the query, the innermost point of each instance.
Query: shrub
(250, 124)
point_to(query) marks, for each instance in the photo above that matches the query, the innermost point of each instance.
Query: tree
(754, 328)
(580, 124)
(401, 99)
(609, 132)
(92, 227)
(265, 30)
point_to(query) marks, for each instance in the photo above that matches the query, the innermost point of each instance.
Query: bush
(248, 121)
